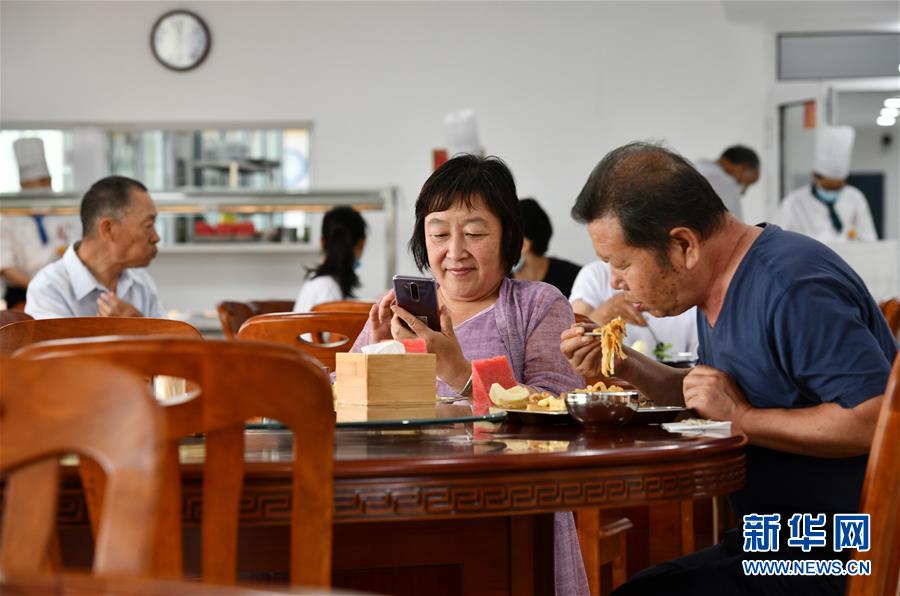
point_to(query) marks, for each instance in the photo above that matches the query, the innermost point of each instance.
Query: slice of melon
(414, 346)
(485, 373)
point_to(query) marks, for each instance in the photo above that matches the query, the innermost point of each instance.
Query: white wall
(555, 85)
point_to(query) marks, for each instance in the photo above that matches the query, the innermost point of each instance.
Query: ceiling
(804, 15)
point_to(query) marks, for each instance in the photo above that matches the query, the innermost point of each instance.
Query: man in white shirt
(592, 295)
(828, 209)
(736, 170)
(28, 243)
(103, 275)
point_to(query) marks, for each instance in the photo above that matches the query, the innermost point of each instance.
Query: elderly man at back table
(103, 275)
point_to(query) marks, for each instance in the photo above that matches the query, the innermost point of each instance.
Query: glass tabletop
(442, 412)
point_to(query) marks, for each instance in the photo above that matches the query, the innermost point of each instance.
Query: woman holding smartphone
(468, 232)
(343, 241)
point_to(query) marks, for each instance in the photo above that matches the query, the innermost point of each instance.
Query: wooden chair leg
(613, 540)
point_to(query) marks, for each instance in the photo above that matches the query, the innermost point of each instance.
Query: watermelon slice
(484, 374)
(414, 346)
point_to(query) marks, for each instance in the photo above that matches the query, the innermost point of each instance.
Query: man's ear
(685, 247)
(105, 228)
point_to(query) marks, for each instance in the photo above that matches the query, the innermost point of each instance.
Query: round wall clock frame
(180, 40)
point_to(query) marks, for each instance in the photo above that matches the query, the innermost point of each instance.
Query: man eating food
(793, 349)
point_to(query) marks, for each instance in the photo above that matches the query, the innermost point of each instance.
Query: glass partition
(198, 157)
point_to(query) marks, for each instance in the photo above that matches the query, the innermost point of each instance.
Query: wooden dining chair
(238, 380)
(232, 314)
(22, 333)
(99, 411)
(13, 316)
(891, 310)
(344, 306)
(881, 499)
(319, 334)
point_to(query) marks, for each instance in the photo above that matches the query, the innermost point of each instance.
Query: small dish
(656, 414)
(599, 409)
(539, 418)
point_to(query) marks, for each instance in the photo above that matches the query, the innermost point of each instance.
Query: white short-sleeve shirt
(724, 185)
(592, 286)
(67, 288)
(316, 291)
(21, 245)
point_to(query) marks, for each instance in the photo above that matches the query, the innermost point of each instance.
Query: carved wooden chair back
(232, 314)
(23, 333)
(13, 316)
(319, 334)
(881, 499)
(344, 306)
(94, 409)
(238, 380)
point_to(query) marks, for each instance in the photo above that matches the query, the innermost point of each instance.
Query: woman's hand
(380, 319)
(452, 366)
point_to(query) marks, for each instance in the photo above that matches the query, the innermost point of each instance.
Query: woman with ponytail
(343, 240)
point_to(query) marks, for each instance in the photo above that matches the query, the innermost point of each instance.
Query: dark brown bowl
(602, 409)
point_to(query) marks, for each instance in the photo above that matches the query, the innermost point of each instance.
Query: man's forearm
(15, 277)
(826, 430)
(657, 381)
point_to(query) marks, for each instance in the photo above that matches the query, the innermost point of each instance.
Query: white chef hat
(30, 157)
(462, 133)
(834, 144)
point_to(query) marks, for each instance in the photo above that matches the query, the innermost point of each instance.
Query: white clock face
(180, 40)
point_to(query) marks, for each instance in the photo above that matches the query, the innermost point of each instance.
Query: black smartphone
(418, 296)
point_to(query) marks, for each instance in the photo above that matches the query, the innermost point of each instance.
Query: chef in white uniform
(28, 243)
(828, 209)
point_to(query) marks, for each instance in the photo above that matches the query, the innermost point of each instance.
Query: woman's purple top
(524, 324)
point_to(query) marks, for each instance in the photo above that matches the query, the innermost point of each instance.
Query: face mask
(518, 266)
(829, 196)
(357, 264)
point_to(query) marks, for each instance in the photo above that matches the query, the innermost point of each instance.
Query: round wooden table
(463, 506)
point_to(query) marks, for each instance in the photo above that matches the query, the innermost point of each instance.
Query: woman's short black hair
(463, 180)
(536, 226)
(342, 229)
(650, 190)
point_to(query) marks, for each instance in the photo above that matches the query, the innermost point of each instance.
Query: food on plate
(545, 402)
(599, 386)
(485, 373)
(514, 398)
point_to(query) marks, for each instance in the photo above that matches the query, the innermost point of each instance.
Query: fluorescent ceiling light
(885, 121)
(890, 112)
(892, 102)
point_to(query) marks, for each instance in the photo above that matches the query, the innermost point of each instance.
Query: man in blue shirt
(103, 274)
(794, 351)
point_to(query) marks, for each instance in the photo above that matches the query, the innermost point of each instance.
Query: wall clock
(180, 40)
